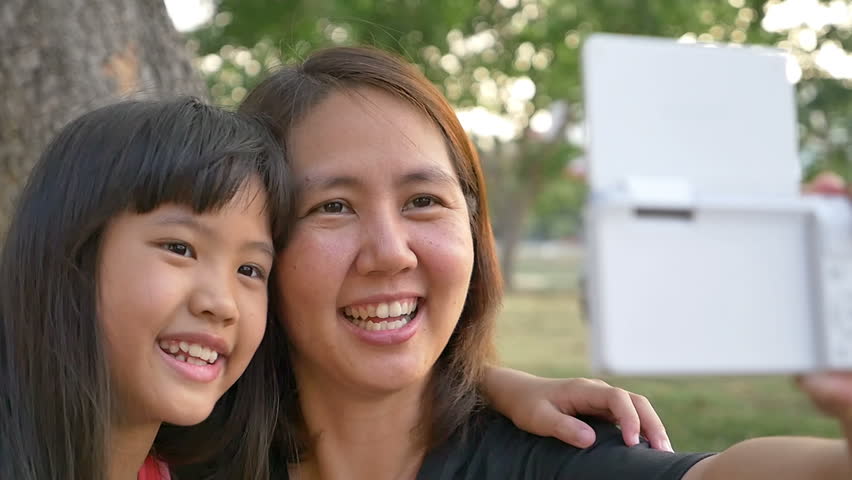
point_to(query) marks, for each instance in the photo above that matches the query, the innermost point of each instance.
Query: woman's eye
(251, 271)
(178, 248)
(333, 207)
(423, 201)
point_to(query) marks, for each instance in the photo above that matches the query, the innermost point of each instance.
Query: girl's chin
(188, 412)
(188, 419)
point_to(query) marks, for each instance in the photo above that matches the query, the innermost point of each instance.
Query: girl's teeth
(185, 352)
(382, 310)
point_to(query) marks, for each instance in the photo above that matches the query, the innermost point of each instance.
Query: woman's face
(377, 270)
(183, 302)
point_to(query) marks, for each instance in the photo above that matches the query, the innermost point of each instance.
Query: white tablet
(698, 242)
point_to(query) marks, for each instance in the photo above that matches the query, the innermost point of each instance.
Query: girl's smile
(197, 356)
(195, 286)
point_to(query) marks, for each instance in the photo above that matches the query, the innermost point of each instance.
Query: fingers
(827, 183)
(633, 413)
(571, 430)
(580, 396)
(548, 420)
(652, 426)
(831, 392)
(624, 413)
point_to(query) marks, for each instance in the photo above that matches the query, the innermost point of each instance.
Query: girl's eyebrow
(262, 247)
(189, 221)
(184, 220)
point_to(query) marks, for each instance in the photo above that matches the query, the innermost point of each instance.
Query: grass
(541, 331)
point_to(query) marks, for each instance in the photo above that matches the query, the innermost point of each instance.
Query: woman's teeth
(385, 325)
(191, 353)
(366, 316)
(381, 310)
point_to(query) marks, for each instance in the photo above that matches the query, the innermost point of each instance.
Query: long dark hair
(55, 396)
(287, 96)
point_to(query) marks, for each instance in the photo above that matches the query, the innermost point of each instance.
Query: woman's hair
(56, 402)
(289, 94)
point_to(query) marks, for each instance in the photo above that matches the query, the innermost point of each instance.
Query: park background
(511, 69)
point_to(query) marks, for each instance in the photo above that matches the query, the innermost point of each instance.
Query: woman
(388, 288)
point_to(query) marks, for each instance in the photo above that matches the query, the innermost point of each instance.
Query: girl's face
(183, 302)
(377, 269)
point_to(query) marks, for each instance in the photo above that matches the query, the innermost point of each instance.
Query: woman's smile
(384, 323)
(383, 238)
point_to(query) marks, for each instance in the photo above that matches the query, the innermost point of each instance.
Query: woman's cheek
(450, 249)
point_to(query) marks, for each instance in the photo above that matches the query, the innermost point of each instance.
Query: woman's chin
(390, 379)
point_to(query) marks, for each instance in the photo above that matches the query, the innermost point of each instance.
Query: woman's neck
(360, 435)
(129, 444)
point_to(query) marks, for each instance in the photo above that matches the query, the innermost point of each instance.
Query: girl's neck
(361, 436)
(129, 445)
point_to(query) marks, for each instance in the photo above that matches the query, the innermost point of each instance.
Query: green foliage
(481, 52)
(556, 214)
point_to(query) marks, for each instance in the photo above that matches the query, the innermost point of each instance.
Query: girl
(133, 293)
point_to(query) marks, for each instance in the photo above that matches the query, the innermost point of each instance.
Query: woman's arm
(777, 458)
(547, 407)
(792, 458)
(796, 458)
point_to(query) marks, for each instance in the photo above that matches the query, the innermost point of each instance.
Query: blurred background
(510, 67)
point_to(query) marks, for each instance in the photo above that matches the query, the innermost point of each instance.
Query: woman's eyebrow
(328, 182)
(430, 174)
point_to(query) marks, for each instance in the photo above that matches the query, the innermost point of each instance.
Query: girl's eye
(251, 271)
(333, 207)
(423, 201)
(178, 248)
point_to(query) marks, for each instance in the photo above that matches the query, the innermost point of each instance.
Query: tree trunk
(516, 213)
(60, 58)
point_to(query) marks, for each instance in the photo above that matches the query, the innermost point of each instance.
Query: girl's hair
(286, 97)
(55, 395)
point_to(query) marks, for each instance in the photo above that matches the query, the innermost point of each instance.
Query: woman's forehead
(356, 129)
